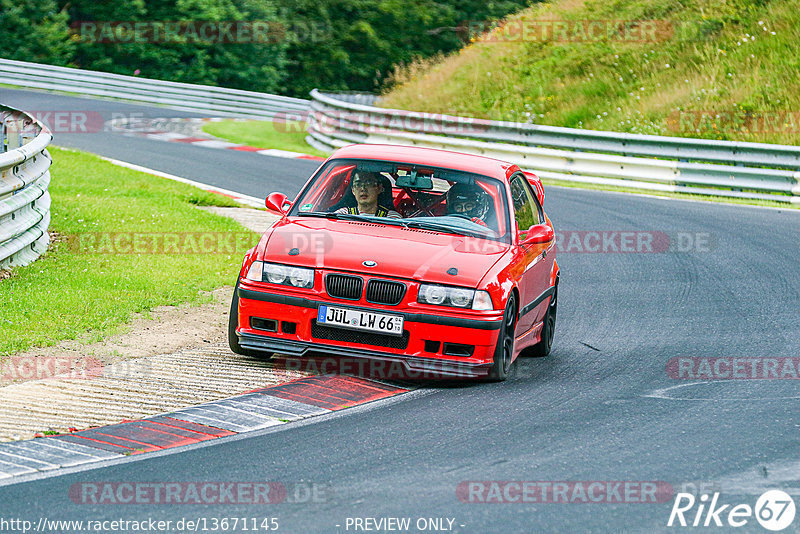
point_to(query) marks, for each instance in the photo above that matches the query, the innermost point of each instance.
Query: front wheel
(233, 322)
(542, 349)
(504, 351)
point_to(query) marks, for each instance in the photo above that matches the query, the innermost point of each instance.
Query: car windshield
(414, 196)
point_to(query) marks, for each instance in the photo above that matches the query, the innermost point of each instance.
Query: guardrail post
(2, 134)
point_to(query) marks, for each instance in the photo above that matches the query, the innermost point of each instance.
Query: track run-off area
(623, 401)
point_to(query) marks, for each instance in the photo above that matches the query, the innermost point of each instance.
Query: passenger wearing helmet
(468, 200)
(371, 196)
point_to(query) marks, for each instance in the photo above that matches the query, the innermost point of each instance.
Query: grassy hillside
(716, 69)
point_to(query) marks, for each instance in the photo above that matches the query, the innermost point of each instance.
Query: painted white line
(664, 393)
(212, 143)
(166, 136)
(239, 197)
(265, 401)
(36, 450)
(75, 448)
(280, 153)
(24, 461)
(11, 469)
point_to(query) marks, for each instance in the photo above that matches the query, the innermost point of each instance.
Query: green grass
(199, 197)
(264, 134)
(735, 57)
(70, 293)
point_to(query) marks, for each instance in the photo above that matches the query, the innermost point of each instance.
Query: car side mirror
(278, 202)
(538, 233)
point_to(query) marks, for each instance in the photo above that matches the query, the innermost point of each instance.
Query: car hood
(397, 251)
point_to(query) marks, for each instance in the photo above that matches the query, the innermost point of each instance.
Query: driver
(468, 200)
(367, 189)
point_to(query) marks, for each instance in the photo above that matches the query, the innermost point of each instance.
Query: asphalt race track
(602, 407)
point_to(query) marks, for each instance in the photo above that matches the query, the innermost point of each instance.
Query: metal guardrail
(209, 100)
(24, 179)
(719, 168)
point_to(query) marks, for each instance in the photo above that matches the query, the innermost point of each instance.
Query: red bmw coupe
(440, 262)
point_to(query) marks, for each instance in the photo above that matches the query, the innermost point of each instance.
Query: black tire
(504, 350)
(542, 349)
(233, 339)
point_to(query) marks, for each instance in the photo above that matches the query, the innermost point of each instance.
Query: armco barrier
(208, 100)
(24, 179)
(649, 162)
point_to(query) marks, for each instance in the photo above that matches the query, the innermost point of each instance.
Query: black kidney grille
(385, 292)
(342, 286)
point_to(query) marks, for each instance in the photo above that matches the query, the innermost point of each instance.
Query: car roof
(427, 156)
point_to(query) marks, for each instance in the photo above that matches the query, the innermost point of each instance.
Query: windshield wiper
(332, 215)
(430, 225)
(353, 217)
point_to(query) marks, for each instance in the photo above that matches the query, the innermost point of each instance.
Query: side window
(526, 208)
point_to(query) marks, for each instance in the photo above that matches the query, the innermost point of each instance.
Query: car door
(536, 260)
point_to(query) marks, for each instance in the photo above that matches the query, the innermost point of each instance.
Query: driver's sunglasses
(364, 184)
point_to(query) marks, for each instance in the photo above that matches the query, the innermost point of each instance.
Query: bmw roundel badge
(369, 263)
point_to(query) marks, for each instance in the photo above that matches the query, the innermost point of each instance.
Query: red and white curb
(188, 131)
(261, 408)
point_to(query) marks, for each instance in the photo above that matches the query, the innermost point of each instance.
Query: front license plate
(360, 320)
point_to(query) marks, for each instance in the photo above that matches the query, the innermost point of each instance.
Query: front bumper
(408, 357)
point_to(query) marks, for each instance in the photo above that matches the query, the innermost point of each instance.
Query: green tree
(354, 44)
(35, 30)
(250, 65)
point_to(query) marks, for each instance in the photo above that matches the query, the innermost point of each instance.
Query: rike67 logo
(774, 510)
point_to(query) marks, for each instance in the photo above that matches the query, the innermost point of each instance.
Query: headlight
(461, 297)
(275, 273)
(432, 294)
(301, 277)
(457, 297)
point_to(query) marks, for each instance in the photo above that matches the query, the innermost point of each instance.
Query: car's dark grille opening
(342, 286)
(457, 349)
(354, 336)
(288, 327)
(263, 324)
(432, 346)
(385, 292)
